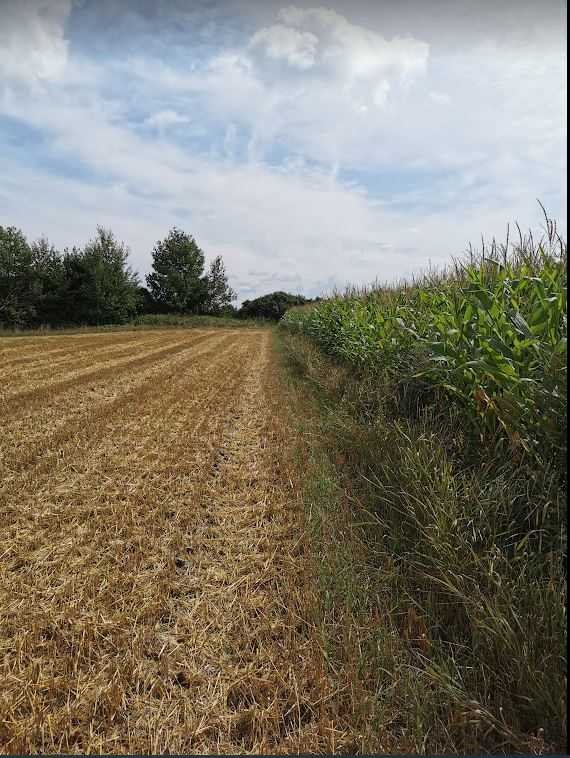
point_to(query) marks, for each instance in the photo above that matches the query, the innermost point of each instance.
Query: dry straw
(154, 583)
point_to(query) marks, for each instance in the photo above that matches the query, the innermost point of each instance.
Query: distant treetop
(271, 306)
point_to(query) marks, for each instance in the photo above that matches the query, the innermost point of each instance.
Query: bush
(98, 285)
(17, 307)
(39, 286)
(272, 306)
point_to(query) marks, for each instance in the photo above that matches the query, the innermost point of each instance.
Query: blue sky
(310, 145)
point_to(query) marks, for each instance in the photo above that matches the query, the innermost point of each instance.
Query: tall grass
(451, 425)
(161, 320)
(143, 321)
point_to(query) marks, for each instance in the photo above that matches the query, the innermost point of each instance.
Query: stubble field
(152, 579)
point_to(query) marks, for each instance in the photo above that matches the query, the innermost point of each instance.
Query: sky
(311, 146)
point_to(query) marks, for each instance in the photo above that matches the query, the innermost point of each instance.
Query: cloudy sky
(310, 145)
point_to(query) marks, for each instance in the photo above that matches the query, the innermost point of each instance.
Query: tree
(99, 286)
(177, 281)
(16, 274)
(219, 294)
(271, 306)
(47, 282)
(146, 303)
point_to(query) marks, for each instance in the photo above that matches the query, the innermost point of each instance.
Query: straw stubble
(154, 591)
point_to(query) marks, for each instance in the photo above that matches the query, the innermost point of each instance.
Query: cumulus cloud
(32, 40)
(280, 42)
(313, 80)
(347, 55)
(440, 98)
(355, 52)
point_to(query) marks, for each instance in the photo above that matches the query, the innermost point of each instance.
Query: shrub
(272, 306)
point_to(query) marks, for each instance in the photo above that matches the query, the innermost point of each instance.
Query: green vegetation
(94, 286)
(219, 294)
(271, 307)
(97, 286)
(443, 412)
(161, 320)
(177, 282)
(39, 285)
(143, 322)
(490, 336)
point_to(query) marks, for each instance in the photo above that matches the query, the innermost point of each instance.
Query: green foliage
(47, 283)
(177, 281)
(272, 306)
(492, 337)
(463, 561)
(39, 286)
(200, 321)
(219, 294)
(99, 287)
(146, 303)
(17, 307)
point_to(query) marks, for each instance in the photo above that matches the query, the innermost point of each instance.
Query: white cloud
(338, 53)
(163, 119)
(355, 52)
(290, 228)
(32, 41)
(280, 42)
(314, 80)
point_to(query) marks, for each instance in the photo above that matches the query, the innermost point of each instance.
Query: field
(347, 534)
(153, 585)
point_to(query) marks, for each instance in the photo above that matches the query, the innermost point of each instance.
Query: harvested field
(153, 582)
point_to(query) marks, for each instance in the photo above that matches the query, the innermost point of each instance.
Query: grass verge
(148, 321)
(441, 585)
(200, 322)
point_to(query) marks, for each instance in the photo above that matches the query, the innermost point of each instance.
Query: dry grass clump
(153, 585)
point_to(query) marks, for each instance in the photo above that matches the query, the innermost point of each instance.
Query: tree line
(39, 285)
(94, 285)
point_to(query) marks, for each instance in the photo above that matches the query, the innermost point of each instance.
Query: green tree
(16, 274)
(47, 282)
(177, 281)
(99, 287)
(271, 306)
(219, 294)
(146, 303)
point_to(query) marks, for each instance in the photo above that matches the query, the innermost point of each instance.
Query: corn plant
(491, 334)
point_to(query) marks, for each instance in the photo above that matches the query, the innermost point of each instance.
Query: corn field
(490, 333)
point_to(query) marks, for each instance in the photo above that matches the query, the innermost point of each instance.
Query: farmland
(153, 589)
(345, 534)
